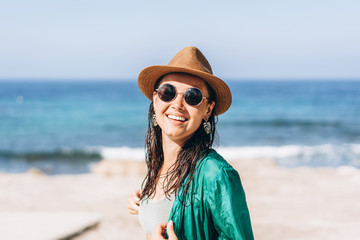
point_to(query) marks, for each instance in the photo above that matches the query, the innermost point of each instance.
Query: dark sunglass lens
(193, 96)
(167, 92)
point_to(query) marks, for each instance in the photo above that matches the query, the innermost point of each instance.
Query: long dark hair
(191, 152)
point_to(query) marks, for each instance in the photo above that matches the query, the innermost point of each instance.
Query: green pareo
(215, 205)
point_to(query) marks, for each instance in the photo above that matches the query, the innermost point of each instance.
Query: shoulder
(218, 179)
(214, 162)
(214, 166)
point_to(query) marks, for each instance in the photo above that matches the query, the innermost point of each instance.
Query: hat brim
(150, 75)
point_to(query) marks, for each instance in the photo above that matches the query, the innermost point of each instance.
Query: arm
(227, 203)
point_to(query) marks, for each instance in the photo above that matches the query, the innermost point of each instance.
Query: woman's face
(178, 120)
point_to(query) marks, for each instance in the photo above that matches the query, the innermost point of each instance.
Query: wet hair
(194, 150)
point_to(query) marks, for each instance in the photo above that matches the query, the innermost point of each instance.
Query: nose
(178, 102)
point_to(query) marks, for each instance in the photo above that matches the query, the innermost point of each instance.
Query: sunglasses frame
(181, 93)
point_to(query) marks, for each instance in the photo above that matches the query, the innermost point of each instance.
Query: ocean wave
(122, 153)
(284, 123)
(286, 155)
(299, 155)
(331, 155)
(63, 154)
(88, 153)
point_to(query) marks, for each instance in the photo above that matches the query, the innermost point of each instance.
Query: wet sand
(300, 203)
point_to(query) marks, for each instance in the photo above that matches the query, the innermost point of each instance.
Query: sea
(67, 126)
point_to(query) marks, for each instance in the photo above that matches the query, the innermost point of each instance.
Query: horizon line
(237, 79)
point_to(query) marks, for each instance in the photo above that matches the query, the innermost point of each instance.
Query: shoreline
(284, 203)
(80, 161)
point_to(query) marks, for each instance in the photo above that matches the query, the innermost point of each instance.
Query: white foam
(355, 148)
(232, 153)
(122, 153)
(287, 151)
(290, 155)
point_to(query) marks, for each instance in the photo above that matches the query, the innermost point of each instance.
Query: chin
(180, 136)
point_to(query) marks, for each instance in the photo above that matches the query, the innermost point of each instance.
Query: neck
(170, 149)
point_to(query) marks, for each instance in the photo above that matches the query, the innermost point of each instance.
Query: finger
(133, 204)
(133, 210)
(170, 230)
(135, 196)
(159, 231)
(130, 200)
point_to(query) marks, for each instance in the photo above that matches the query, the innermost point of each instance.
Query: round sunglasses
(168, 92)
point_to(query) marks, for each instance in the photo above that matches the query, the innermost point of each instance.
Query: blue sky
(278, 39)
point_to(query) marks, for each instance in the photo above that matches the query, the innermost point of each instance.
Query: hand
(134, 202)
(160, 230)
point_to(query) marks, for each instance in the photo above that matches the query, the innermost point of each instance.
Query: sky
(115, 39)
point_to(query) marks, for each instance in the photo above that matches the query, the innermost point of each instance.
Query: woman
(190, 191)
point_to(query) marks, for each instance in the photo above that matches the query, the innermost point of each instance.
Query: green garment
(215, 207)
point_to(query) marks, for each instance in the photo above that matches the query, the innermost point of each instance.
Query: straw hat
(189, 60)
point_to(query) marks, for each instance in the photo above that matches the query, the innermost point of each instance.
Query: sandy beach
(299, 203)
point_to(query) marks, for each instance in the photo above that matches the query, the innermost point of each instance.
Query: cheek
(198, 116)
(159, 106)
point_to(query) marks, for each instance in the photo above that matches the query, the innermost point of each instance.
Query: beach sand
(300, 203)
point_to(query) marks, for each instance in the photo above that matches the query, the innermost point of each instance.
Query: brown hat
(189, 60)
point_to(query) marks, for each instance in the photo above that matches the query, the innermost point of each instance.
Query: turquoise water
(63, 126)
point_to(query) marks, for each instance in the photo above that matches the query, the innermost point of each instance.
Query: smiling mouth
(177, 118)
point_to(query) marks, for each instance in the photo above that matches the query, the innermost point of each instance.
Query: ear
(209, 109)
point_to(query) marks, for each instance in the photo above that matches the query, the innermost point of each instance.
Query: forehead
(183, 80)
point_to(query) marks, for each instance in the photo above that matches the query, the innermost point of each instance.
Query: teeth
(176, 118)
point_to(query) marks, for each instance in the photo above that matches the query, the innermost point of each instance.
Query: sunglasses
(192, 96)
